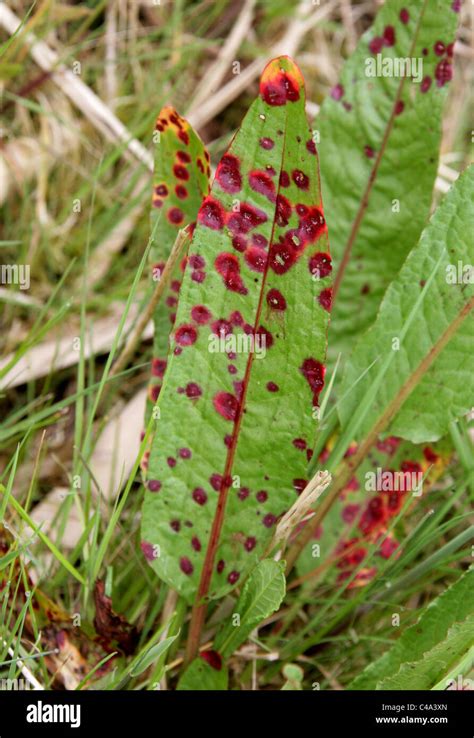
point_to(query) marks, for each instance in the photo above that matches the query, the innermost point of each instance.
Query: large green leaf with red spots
(237, 408)
(380, 139)
(180, 181)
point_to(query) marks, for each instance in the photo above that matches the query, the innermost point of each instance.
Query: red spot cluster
(291, 245)
(313, 371)
(228, 266)
(228, 174)
(386, 39)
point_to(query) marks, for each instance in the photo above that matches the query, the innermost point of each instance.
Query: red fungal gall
(325, 298)
(283, 211)
(281, 258)
(267, 143)
(262, 496)
(175, 216)
(196, 543)
(155, 392)
(456, 5)
(227, 265)
(213, 659)
(243, 493)
(369, 152)
(220, 566)
(158, 367)
(226, 405)
(216, 481)
(193, 390)
(284, 179)
(239, 243)
(269, 520)
(260, 182)
(186, 566)
(275, 300)
(299, 443)
(443, 72)
(404, 15)
(311, 146)
(161, 190)
(272, 387)
(246, 219)
(196, 261)
(171, 461)
(389, 36)
(175, 525)
(399, 107)
(233, 577)
(320, 265)
(278, 87)
(313, 371)
(425, 84)
(236, 319)
(186, 335)
(430, 455)
(299, 485)
(200, 314)
(250, 543)
(199, 496)
(228, 174)
(185, 453)
(263, 337)
(337, 92)
(181, 192)
(439, 48)
(300, 179)
(211, 214)
(256, 258)
(198, 277)
(154, 485)
(148, 550)
(376, 45)
(259, 240)
(180, 172)
(183, 136)
(221, 327)
(184, 157)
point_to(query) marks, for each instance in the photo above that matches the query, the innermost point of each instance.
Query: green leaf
(454, 605)
(262, 595)
(430, 367)
(294, 676)
(237, 414)
(380, 138)
(180, 182)
(441, 664)
(200, 676)
(368, 505)
(152, 655)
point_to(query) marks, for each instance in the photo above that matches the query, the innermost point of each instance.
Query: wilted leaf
(112, 628)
